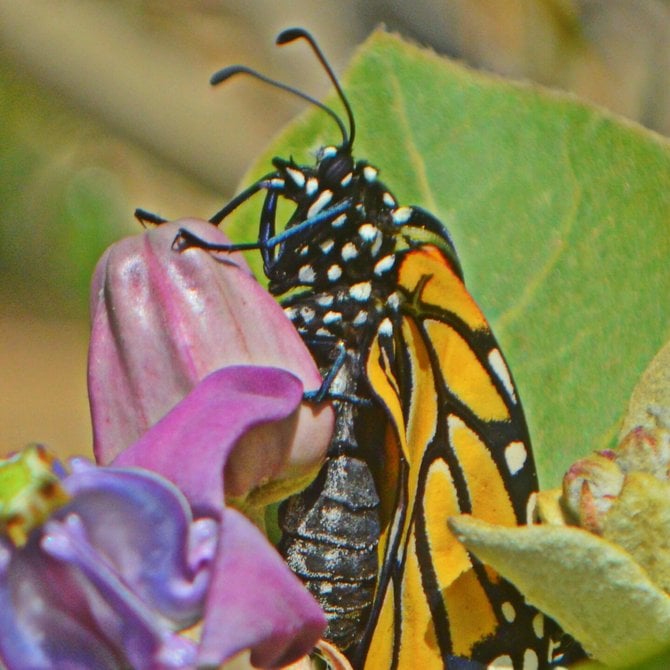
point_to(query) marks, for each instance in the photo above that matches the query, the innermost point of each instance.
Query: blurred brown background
(105, 106)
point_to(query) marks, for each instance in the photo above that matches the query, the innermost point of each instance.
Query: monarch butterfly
(429, 421)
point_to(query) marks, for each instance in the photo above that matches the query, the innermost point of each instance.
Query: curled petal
(191, 445)
(255, 602)
(109, 579)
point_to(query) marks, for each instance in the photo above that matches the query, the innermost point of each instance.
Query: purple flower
(111, 575)
(179, 385)
(108, 579)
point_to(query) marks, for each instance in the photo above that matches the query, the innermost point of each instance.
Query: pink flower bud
(162, 320)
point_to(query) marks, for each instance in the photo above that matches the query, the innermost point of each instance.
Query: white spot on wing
(361, 291)
(497, 362)
(291, 312)
(500, 663)
(508, 611)
(324, 198)
(515, 456)
(327, 246)
(531, 506)
(323, 332)
(530, 661)
(389, 200)
(538, 625)
(334, 272)
(306, 274)
(386, 327)
(307, 314)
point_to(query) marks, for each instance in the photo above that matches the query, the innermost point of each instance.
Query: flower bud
(162, 320)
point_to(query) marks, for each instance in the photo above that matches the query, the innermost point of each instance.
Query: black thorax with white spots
(337, 279)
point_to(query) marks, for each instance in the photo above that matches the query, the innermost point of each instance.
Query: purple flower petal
(255, 601)
(192, 444)
(109, 579)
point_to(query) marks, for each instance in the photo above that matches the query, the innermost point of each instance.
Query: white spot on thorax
(324, 198)
(332, 317)
(307, 314)
(304, 250)
(277, 183)
(339, 221)
(393, 301)
(389, 200)
(327, 152)
(515, 456)
(306, 274)
(367, 232)
(401, 215)
(312, 186)
(376, 246)
(334, 272)
(346, 180)
(349, 251)
(370, 173)
(297, 176)
(361, 291)
(360, 318)
(497, 362)
(384, 264)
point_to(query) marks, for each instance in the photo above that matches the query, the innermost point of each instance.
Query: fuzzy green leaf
(559, 211)
(591, 587)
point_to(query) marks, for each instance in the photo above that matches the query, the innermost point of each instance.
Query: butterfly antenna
(228, 72)
(293, 34)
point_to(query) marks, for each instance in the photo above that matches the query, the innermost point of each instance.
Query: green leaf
(594, 590)
(559, 212)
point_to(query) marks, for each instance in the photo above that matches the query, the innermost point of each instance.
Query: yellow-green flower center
(30, 491)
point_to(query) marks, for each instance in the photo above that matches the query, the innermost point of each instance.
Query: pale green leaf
(592, 588)
(560, 213)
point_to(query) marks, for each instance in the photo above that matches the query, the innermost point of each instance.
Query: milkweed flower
(107, 567)
(76, 588)
(196, 381)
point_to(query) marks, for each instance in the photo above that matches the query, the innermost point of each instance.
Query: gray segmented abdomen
(331, 531)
